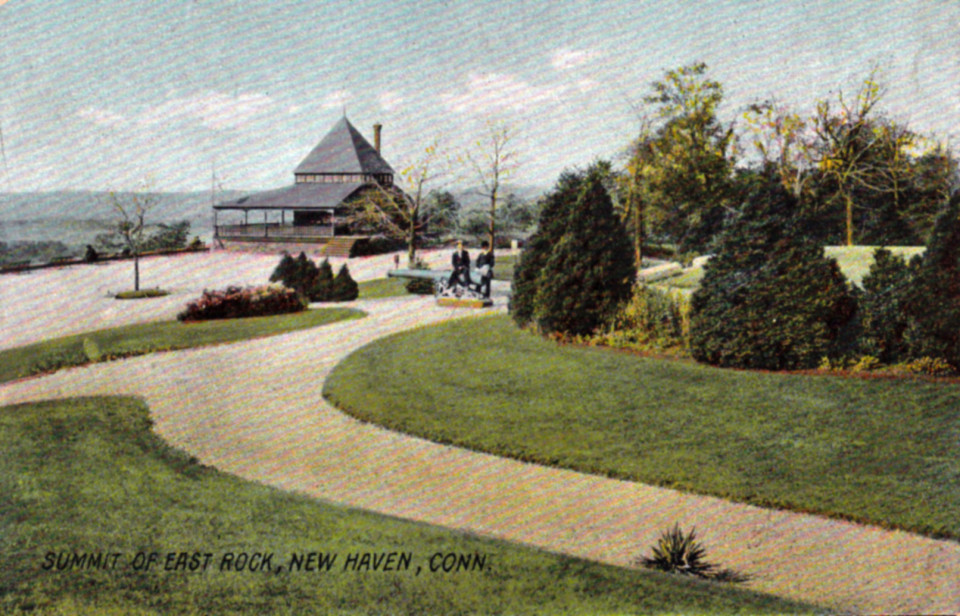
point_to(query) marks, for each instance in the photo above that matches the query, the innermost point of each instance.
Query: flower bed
(237, 302)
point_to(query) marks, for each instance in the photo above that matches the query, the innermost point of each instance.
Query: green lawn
(854, 262)
(145, 338)
(882, 451)
(383, 287)
(87, 476)
(504, 267)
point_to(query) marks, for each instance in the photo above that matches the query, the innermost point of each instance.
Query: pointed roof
(343, 150)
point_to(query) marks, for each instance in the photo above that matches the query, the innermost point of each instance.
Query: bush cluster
(653, 320)
(578, 268)
(237, 302)
(770, 299)
(313, 283)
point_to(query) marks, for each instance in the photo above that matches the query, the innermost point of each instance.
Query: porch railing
(273, 230)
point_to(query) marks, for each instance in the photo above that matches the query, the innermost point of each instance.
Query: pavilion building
(312, 211)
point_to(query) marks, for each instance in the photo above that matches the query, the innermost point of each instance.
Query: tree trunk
(493, 217)
(136, 272)
(849, 202)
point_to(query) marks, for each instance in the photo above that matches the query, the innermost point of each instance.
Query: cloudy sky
(108, 94)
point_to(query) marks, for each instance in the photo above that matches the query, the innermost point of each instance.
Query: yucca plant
(677, 552)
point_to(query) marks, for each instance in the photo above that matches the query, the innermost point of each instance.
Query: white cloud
(335, 100)
(213, 109)
(101, 117)
(497, 92)
(390, 100)
(565, 59)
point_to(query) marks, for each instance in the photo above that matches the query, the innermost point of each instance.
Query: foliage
(769, 298)
(590, 270)
(25, 251)
(319, 281)
(930, 366)
(404, 215)
(420, 286)
(90, 255)
(236, 302)
(861, 177)
(770, 439)
(935, 303)
(679, 552)
(651, 320)
(681, 168)
(883, 315)
(169, 237)
(313, 283)
(550, 228)
(344, 287)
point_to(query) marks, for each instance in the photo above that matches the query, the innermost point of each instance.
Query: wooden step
(340, 246)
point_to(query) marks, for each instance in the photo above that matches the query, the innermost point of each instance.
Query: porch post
(265, 223)
(216, 228)
(333, 223)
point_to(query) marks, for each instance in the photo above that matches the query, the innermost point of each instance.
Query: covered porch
(304, 212)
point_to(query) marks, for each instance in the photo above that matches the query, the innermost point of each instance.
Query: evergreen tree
(769, 298)
(284, 271)
(344, 288)
(590, 271)
(320, 288)
(883, 307)
(550, 228)
(935, 306)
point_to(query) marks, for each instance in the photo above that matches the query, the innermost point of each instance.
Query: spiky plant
(677, 552)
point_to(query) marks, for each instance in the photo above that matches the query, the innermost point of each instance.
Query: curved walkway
(255, 409)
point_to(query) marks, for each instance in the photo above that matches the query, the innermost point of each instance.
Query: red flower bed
(237, 302)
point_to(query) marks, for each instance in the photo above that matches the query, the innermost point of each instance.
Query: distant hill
(475, 197)
(77, 217)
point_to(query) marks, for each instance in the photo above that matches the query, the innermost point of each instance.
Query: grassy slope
(88, 475)
(879, 451)
(854, 262)
(144, 338)
(383, 287)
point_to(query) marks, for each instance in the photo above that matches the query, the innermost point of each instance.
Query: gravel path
(246, 409)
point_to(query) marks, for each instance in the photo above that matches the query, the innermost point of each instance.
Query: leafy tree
(446, 210)
(769, 298)
(935, 304)
(344, 287)
(590, 271)
(285, 270)
(403, 214)
(682, 169)
(551, 225)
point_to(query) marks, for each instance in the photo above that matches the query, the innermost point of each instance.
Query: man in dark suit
(461, 266)
(485, 268)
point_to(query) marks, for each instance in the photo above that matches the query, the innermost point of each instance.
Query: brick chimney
(376, 136)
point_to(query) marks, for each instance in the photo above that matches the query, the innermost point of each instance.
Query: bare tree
(492, 161)
(131, 210)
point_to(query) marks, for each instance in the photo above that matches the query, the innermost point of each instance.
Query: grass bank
(879, 451)
(379, 288)
(87, 477)
(143, 338)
